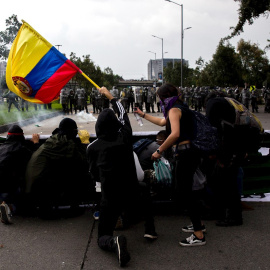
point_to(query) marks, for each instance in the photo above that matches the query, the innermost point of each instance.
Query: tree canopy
(248, 11)
(7, 36)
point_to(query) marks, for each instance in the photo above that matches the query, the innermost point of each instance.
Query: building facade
(154, 68)
(3, 66)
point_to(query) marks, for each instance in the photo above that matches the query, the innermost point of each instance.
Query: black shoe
(121, 249)
(229, 222)
(193, 241)
(150, 234)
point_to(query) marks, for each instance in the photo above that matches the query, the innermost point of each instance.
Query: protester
(111, 161)
(225, 168)
(15, 152)
(178, 122)
(57, 171)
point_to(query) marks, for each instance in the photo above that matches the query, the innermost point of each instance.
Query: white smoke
(87, 117)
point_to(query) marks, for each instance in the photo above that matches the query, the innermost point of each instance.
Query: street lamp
(186, 29)
(154, 54)
(57, 46)
(161, 55)
(182, 35)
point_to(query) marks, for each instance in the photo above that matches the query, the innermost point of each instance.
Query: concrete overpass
(136, 83)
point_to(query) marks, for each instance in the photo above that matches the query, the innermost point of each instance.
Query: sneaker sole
(149, 236)
(191, 231)
(192, 245)
(123, 255)
(4, 216)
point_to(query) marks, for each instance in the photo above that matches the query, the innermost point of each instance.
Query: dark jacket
(58, 166)
(14, 155)
(110, 156)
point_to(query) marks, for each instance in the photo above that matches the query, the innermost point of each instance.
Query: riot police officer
(266, 97)
(146, 104)
(187, 95)
(24, 104)
(130, 98)
(93, 96)
(80, 97)
(64, 100)
(115, 92)
(245, 97)
(237, 94)
(72, 102)
(98, 101)
(124, 99)
(12, 99)
(197, 100)
(254, 100)
(139, 98)
(203, 94)
(158, 101)
(150, 99)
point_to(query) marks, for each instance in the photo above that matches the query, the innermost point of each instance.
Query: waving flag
(37, 71)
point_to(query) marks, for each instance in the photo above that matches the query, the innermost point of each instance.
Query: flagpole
(85, 76)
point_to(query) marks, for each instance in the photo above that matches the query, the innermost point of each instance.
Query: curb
(5, 128)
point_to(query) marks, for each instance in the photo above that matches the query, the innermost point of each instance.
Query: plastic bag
(163, 171)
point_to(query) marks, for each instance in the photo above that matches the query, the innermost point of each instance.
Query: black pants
(185, 166)
(109, 215)
(226, 193)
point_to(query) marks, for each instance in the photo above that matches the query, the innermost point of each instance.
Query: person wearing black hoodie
(111, 161)
(57, 171)
(15, 152)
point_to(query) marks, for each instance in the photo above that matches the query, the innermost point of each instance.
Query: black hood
(107, 125)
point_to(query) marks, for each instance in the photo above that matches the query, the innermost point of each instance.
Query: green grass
(15, 116)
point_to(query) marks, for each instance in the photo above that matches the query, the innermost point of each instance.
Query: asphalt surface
(71, 242)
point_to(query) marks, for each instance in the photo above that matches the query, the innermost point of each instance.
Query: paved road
(70, 243)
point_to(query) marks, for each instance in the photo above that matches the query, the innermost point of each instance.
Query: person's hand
(155, 156)
(104, 91)
(138, 111)
(35, 138)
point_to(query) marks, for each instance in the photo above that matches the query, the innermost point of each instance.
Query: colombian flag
(37, 71)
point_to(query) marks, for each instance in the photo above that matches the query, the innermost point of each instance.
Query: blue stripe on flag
(45, 68)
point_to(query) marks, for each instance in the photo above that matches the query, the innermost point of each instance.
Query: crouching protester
(15, 152)
(111, 161)
(57, 172)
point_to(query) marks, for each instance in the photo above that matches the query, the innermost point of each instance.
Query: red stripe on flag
(51, 88)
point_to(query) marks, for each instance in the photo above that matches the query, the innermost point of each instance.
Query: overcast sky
(118, 33)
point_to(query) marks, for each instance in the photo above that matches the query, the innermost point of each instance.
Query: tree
(110, 79)
(172, 74)
(225, 67)
(7, 37)
(254, 61)
(248, 11)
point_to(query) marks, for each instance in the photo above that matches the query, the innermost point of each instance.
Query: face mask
(167, 104)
